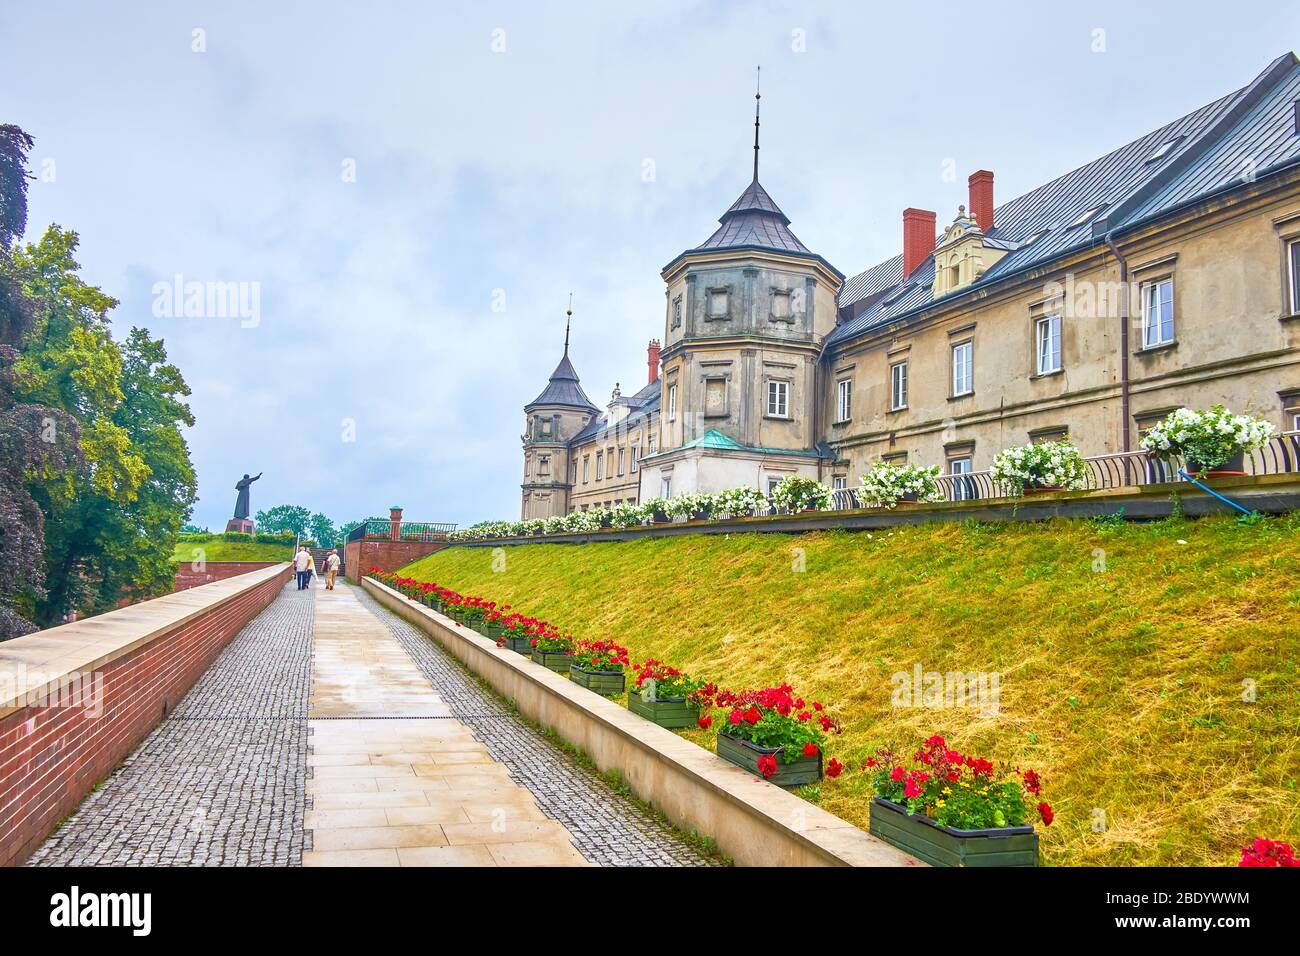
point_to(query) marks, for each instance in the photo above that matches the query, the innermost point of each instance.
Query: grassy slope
(218, 550)
(1123, 688)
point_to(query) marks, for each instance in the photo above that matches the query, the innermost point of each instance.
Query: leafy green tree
(292, 518)
(346, 527)
(38, 444)
(323, 530)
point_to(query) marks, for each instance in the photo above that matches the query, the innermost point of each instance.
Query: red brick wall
(187, 577)
(51, 757)
(366, 553)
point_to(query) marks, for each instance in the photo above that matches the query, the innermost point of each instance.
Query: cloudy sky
(413, 189)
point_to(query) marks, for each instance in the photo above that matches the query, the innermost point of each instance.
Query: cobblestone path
(237, 773)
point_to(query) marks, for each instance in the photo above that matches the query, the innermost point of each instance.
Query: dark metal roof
(1208, 147)
(647, 402)
(563, 388)
(754, 221)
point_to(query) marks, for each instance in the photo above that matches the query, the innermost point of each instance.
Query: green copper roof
(714, 440)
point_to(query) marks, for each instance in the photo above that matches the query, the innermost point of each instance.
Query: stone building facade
(1166, 273)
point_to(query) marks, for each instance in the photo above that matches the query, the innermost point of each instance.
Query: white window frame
(636, 458)
(898, 386)
(772, 482)
(666, 486)
(1151, 296)
(839, 483)
(600, 465)
(844, 400)
(586, 469)
(778, 398)
(1293, 271)
(677, 312)
(961, 465)
(963, 369)
(1047, 344)
(672, 403)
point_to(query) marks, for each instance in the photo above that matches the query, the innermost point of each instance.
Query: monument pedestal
(240, 524)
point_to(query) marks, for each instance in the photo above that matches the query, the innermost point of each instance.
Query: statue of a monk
(241, 503)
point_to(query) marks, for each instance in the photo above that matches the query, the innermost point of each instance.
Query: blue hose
(1226, 501)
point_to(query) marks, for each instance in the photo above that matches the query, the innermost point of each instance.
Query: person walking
(331, 569)
(301, 562)
(311, 568)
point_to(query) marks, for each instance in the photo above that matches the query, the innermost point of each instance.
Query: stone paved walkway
(393, 754)
(396, 780)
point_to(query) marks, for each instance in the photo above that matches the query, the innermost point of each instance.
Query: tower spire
(758, 76)
(568, 315)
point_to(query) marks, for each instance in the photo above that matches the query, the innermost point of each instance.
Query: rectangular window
(586, 468)
(778, 399)
(650, 448)
(772, 482)
(1047, 335)
(609, 463)
(672, 403)
(1293, 261)
(898, 386)
(963, 379)
(844, 400)
(544, 466)
(1157, 313)
(600, 464)
(677, 312)
(717, 303)
(962, 488)
(636, 457)
(621, 453)
(839, 482)
(666, 487)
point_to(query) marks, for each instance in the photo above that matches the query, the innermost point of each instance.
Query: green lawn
(218, 550)
(1124, 652)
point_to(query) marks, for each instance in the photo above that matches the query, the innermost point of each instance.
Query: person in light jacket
(301, 563)
(331, 569)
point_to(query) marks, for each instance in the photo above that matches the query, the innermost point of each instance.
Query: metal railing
(381, 529)
(1119, 470)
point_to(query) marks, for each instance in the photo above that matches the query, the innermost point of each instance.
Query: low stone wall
(1267, 494)
(77, 699)
(756, 823)
(188, 577)
(365, 553)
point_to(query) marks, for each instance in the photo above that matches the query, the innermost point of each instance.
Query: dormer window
(1164, 149)
(1086, 217)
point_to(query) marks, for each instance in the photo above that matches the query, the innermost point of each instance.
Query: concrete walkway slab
(375, 719)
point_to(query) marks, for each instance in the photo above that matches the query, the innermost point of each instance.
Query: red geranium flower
(810, 749)
(834, 768)
(767, 765)
(1045, 811)
(706, 723)
(735, 717)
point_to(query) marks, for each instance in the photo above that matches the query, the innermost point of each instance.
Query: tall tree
(108, 533)
(38, 444)
(294, 519)
(323, 530)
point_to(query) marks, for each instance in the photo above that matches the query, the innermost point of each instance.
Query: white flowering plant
(1206, 439)
(739, 502)
(533, 526)
(798, 493)
(1052, 464)
(687, 505)
(887, 483)
(654, 506)
(580, 522)
(625, 515)
(555, 524)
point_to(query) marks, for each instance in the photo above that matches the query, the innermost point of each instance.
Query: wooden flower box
(744, 754)
(557, 661)
(944, 846)
(520, 645)
(670, 712)
(605, 683)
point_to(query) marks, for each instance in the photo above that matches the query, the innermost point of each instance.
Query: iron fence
(381, 529)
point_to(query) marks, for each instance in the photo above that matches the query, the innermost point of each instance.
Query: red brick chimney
(652, 360)
(981, 198)
(918, 238)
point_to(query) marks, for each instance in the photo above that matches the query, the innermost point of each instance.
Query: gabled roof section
(563, 389)
(1200, 153)
(646, 402)
(713, 440)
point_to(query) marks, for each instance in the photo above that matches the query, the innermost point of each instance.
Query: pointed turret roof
(755, 221)
(563, 388)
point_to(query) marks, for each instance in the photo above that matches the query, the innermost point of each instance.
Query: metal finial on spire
(758, 76)
(568, 315)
